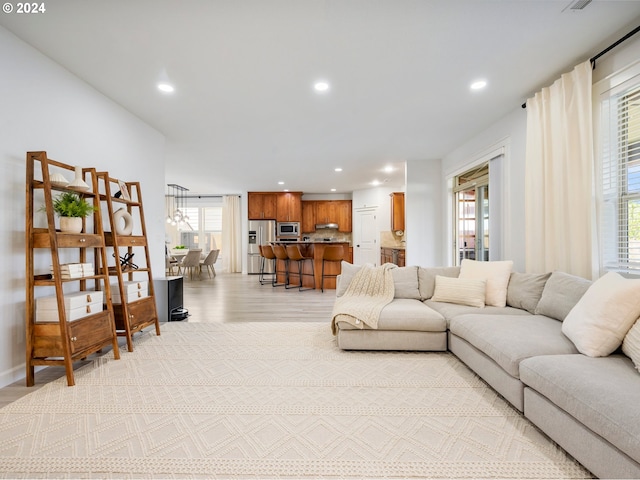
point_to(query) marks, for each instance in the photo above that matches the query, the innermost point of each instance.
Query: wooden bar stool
(281, 254)
(332, 253)
(295, 255)
(267, 256)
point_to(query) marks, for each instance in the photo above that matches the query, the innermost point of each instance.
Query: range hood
(321, 226)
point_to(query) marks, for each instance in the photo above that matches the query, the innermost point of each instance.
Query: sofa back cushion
(525, 289)
(561, 292)
(496, 274)
(427, 278)
(602, 317)
(347, 271)
(631, 344)
(405, 282)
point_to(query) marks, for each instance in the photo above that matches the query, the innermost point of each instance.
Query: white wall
(424, 209)
(509, 133)
(44, 107)
(375, 197)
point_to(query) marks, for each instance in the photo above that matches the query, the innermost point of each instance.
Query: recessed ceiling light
(280, 183)
(388, 169)
(478, 85)
(338, 169)
(375, 183)
(333, 189)
(166, 87)
(321, 86)
(286, 190)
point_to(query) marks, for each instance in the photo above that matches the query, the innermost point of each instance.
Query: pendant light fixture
(178, 217)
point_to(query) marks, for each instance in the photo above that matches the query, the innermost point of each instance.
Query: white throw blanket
(370, 290)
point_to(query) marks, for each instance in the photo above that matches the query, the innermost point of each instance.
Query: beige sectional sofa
(589, 405)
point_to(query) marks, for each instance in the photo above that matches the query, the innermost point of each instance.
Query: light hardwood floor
(228, 297)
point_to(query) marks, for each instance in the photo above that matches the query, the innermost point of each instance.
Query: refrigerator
(260, 232)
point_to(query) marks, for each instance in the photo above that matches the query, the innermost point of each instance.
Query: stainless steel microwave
(288, 229)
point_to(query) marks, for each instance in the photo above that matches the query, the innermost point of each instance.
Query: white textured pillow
(631, 344)
(495, 273)
(598, 323)
(463, 291)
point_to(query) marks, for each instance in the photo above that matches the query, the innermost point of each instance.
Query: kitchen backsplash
(391, 240)
(331, 233)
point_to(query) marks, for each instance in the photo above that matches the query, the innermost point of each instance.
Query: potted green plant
(71, 209)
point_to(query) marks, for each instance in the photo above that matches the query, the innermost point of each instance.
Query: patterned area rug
(273, 400)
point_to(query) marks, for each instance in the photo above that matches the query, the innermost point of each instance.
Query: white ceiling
(244, 115)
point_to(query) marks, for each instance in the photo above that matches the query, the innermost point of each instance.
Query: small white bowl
(58, 180)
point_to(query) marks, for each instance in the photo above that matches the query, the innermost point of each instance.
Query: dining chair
(191, 261)
(209, 261)
(169, 264)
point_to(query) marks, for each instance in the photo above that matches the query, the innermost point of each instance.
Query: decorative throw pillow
(496, 275)
(561, 292)
(525, 289)
(603, 316)
(631, 344)
(405, 281)
(427, 278)
(348, 270)
(463, 291)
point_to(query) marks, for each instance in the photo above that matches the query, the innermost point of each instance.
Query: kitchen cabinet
(334, 211)
(344, 215)
(397, 211)
(289, 207)
(392, 255)
(308, 216)
(326, 212)
(262, 205)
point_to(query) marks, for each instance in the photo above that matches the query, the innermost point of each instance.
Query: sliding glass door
(471, 197)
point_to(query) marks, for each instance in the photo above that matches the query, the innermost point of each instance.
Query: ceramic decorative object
(58, 180)
(78, 183)
(123, 222)
(71, 224)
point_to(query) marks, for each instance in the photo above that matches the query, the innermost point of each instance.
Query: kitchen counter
(315, 250)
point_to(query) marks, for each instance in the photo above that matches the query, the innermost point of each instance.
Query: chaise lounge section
(589, 405)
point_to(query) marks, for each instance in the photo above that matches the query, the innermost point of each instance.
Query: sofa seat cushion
(406, 314)
(601, 393)
(509, 339)
(450, 310)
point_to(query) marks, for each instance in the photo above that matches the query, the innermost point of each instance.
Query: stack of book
(87, 269)
(75, 270)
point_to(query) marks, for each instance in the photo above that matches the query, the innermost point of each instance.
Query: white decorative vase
(78, 183)
(71, 224)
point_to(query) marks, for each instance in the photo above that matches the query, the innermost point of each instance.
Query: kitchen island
(314, 250)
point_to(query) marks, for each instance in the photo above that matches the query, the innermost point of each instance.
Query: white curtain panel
(559, 173)
(231, 234)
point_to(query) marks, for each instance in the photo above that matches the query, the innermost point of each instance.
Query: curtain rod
(610, 47)
(219, 195)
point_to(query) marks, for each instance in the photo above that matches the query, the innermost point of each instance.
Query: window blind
(620, 180)
(212, 219)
